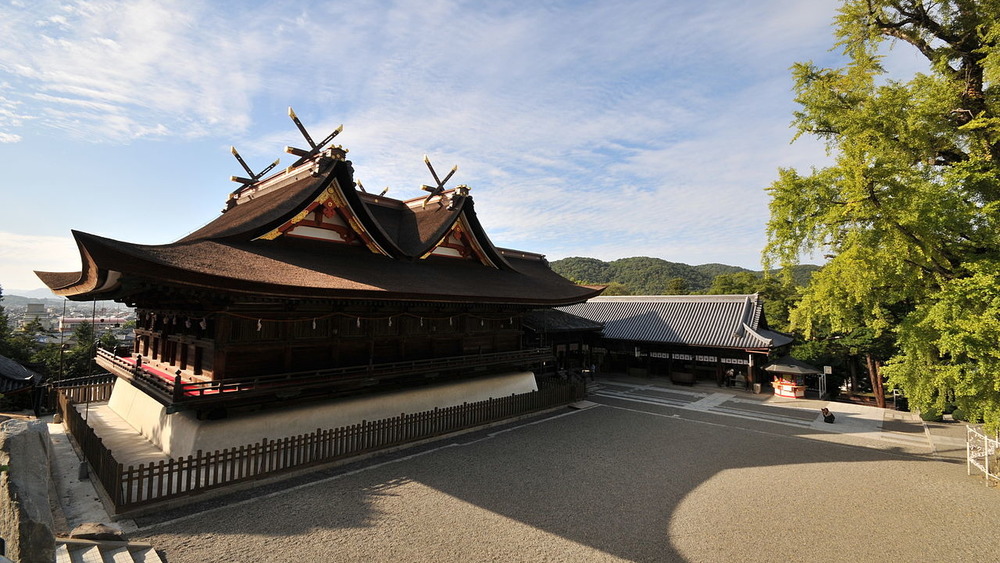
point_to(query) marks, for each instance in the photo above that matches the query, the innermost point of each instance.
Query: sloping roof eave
(716, 321)
(162, 264)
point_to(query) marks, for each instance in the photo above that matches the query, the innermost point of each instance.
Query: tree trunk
(876, 378)
(852, 365)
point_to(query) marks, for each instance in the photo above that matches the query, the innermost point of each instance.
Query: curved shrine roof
(308, 233)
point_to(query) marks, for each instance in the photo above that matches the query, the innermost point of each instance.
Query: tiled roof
(14, 376)
(720, 321)
(788, 364)
(554, 320)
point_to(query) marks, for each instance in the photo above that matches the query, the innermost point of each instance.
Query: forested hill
(642, 275)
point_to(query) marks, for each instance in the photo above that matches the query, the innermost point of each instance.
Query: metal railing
(981, 453)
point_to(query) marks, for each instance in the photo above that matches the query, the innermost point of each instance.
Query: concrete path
(862, 424)
(77, 497)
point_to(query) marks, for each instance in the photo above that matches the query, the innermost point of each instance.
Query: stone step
(62, 554)
(90, 551)
(146, 555)
(88, 554)
(117, 555)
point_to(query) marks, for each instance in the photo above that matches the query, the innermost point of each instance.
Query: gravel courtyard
(608, 483)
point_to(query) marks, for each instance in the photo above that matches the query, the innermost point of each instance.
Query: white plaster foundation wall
(142, 412)
(181, 434)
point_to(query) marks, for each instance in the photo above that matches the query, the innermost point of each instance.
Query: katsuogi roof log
(308, 232)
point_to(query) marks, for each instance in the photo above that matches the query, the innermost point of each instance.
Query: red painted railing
(171, 390)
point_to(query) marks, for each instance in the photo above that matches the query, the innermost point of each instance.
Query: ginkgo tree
(907, 211)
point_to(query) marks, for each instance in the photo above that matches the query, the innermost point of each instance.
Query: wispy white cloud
(647, 130)
(603, 129)
(137, 63)
(22, 254)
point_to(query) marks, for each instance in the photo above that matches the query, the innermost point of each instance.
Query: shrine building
(722, 339)
(311, 297)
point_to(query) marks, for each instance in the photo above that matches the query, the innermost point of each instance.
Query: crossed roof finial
(439, 189)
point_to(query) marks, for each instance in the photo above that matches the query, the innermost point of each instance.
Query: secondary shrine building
(719, 338)
(308, 287)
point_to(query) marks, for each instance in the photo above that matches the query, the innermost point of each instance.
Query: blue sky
(603, 129)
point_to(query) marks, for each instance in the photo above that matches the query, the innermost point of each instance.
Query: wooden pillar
(197, 367)
(223, 326)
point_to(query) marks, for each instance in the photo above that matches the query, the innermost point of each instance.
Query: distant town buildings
(59, 318)
(36, 312)
(101, 324)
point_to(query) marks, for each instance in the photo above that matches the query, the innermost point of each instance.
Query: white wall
(181, 434)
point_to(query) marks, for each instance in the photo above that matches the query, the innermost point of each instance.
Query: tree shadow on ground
(603, 483)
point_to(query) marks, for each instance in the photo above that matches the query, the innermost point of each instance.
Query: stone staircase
(71, 550)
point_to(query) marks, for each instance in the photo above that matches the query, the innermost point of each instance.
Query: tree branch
(938, 267)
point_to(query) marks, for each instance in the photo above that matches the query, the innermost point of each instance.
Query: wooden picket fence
(134, 487)
(94, 388)
(102, 462)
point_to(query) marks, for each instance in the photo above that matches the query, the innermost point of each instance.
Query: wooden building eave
(388, 252)
(355, 275)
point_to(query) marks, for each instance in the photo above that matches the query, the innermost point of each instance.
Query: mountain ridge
(644, 275)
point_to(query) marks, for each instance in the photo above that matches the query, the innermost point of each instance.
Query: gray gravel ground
(609, 484)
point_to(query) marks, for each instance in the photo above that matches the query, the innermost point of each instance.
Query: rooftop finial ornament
(253, 177)
(439, 189)
(314, 147)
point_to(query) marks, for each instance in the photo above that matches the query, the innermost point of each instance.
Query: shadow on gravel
(638, 486)
(614, 480)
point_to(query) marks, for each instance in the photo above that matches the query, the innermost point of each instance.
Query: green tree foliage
(18, 345)
(583, 270)
(83, 350)
(615, 288)
(738, 283)
(950, 346)
(653, 276)
(908, 210)
(676, 286)
(710, 271)
(640, 275)
(801, 274)
(23, 343)
(779, 293)
(77, 358)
